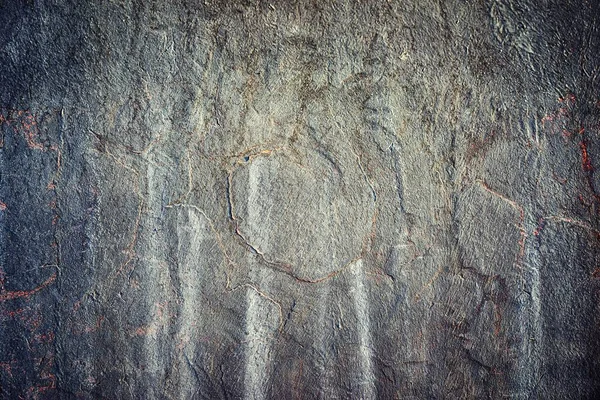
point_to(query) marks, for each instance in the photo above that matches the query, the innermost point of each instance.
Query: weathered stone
(297, 199)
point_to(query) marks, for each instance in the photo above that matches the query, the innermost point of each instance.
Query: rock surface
(299, 199)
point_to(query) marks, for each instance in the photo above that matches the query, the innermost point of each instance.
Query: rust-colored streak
(297, 380)
(31, 132)
(2, 206)
(7, 367)
(586, 162)
(6, 295)
(25, 123)
(497, 320)
(2, 120)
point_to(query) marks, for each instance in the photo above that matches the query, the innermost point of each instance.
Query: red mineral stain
(24, 122)
(29, 129)
(44, 337)
(32, 320)
(586, 162)
(12, 313)
(583, 201)
(144, 330)
(568, 99)
(297, 380)
(6, 295)
(96, 327)
(2, 119)
(547, 118)
(7, 366)
(497, 320)
(539, 228)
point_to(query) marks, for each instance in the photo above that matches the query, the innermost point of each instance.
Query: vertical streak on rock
(532, 335)
(3, 208)
(321, 346)
(323, 336)
(190, 234)
(152, 351)
(399, 187)
(258, 346)
(161, 278)
(361, 306)
(257, 349)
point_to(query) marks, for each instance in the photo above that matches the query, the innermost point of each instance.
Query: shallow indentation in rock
(311, 221)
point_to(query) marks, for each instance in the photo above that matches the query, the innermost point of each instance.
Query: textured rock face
(301, 199)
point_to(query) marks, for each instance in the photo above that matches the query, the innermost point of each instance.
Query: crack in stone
(218, 237)
(431, 281)
(571, 221)
(286, 267)
(520, 227)
(266, 297)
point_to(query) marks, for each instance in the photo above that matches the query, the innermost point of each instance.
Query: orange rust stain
(539, 228)
(96, 327)
(497, 320)
(586, 162)
(558, 120)
(2, 206)
(31, 133)
(44, 337)
(583, 201)
(568, 99)
(24, 122)
(547, 118)
(144, 330)
(6, 295)
(77, 305)
(7, 366)
(12, 313)
(32, 320)
(297, 380)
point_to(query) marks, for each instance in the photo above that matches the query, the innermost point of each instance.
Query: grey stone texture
(299, 199)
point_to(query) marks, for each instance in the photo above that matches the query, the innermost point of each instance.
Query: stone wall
(299, 199)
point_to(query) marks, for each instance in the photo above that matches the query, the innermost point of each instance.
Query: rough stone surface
(299, 199)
